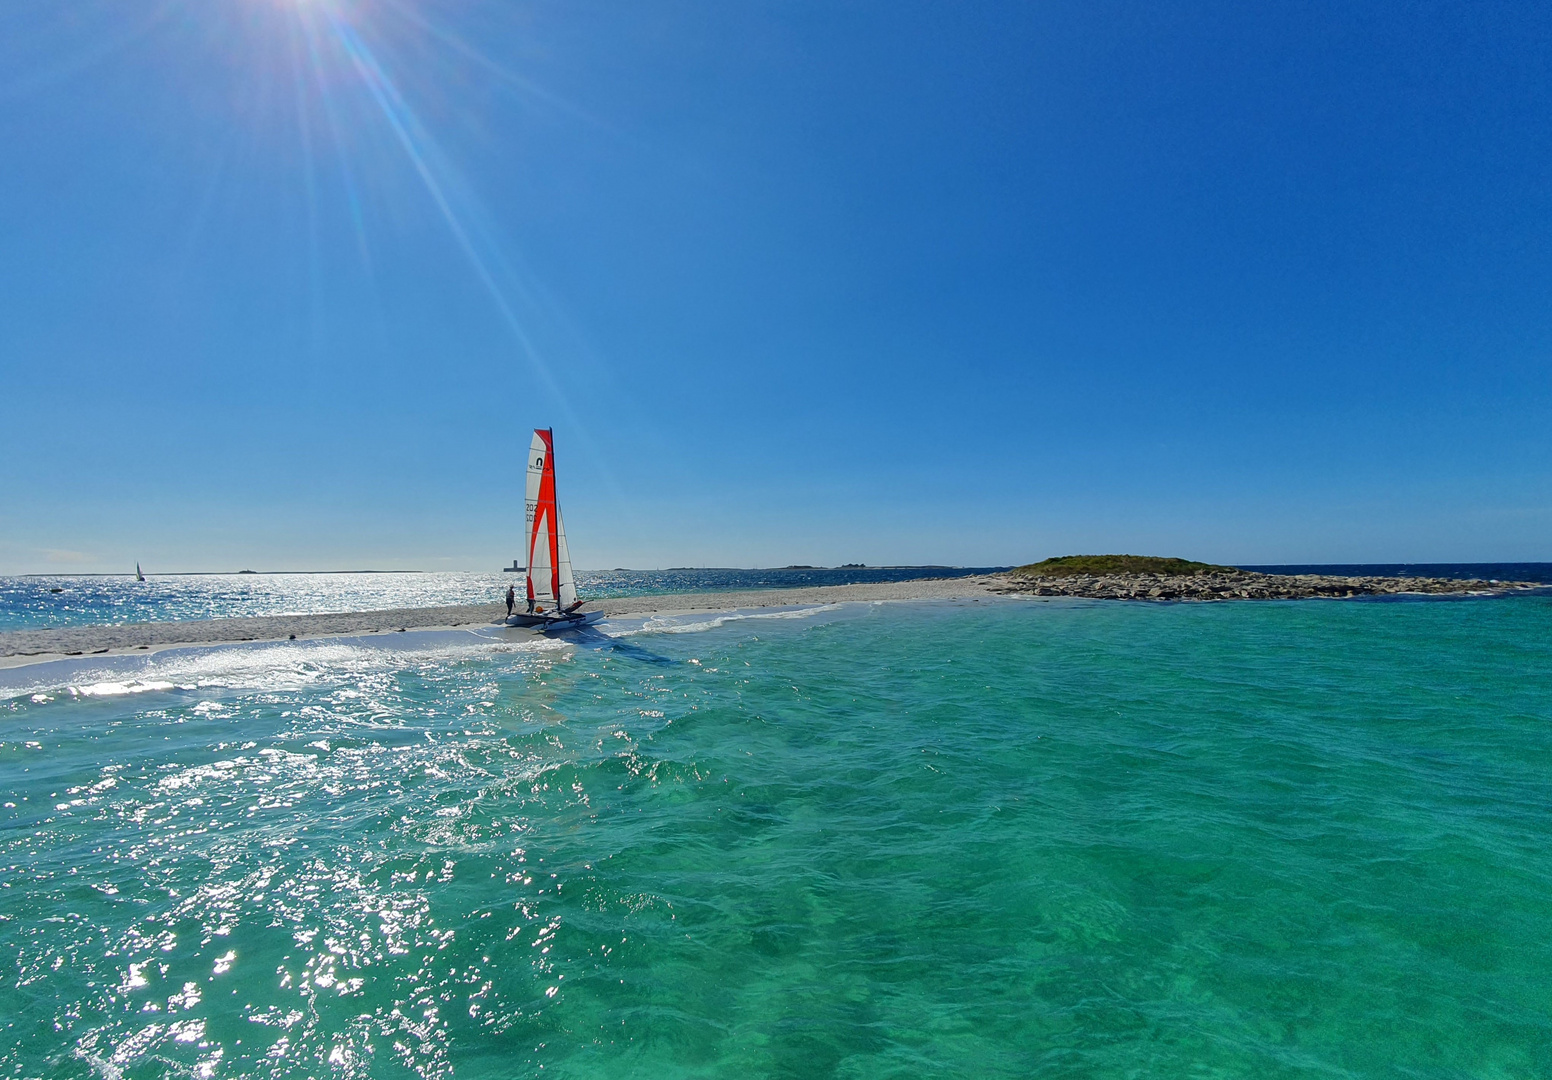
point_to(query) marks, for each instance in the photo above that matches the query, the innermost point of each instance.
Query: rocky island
(1143, 577)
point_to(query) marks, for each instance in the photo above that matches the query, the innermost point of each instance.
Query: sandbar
(19, 647)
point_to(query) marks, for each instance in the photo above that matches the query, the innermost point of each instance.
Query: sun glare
(358, 120)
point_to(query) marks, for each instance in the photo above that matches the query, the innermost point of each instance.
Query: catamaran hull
(550, 623)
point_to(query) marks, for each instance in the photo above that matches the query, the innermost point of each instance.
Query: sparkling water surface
(1005, 838)
(94, 600)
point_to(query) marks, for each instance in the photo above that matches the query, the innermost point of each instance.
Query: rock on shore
(1240, 585)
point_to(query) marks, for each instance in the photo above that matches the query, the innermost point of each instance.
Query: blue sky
(287, 283)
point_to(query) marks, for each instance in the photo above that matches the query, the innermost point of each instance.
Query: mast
(566, 584)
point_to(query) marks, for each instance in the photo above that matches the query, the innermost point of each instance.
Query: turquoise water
(1059, 839)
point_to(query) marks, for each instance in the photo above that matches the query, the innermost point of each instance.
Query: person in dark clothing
(511, 599)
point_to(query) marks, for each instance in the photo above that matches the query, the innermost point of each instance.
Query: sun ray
(336, 132)
(147, 20)
(426, 159)
(457, 44)
(310, 187)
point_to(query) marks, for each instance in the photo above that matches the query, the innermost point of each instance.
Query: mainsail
(549, 563)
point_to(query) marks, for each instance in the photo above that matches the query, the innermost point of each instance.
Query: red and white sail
(550, 584)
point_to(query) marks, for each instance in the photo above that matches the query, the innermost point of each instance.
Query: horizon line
(794, 567)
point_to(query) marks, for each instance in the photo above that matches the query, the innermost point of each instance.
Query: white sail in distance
(550, 582)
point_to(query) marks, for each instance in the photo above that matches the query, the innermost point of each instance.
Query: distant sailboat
(138, 575)
(552, 591)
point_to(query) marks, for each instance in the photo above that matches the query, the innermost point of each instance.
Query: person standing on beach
(511, 599)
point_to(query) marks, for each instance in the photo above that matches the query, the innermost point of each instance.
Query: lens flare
(325, 23)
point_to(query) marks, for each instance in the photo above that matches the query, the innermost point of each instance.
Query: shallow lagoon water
(979, 839)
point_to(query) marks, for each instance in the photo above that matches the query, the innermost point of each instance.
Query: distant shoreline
(25, 647)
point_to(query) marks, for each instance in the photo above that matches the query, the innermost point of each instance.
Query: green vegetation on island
(1073, 565)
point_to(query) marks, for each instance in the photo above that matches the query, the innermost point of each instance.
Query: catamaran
(552, 591)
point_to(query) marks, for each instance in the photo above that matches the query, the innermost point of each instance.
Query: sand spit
(35, 646)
